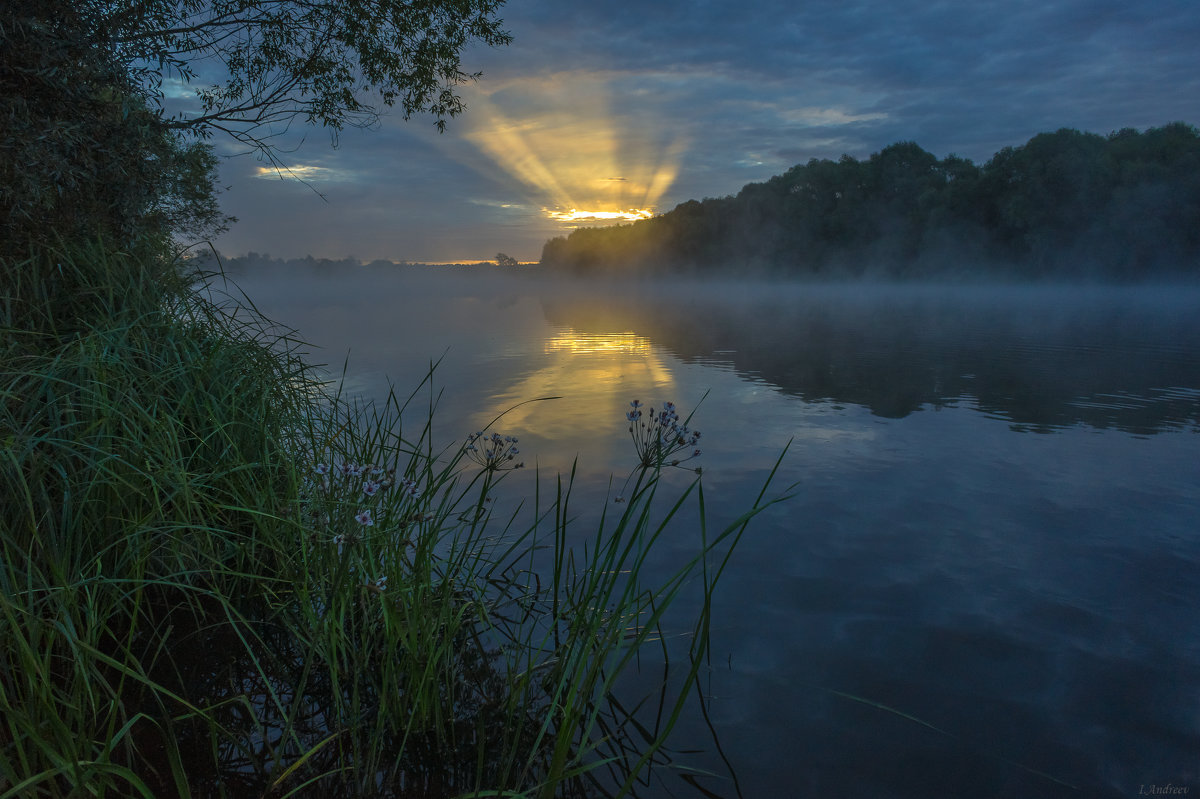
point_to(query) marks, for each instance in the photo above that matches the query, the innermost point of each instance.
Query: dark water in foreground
(989, 582)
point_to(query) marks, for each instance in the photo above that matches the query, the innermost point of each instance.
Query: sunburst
(581, 162)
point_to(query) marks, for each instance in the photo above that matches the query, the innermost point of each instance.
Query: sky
(631, 107)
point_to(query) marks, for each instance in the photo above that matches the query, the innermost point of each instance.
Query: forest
(1065, 205)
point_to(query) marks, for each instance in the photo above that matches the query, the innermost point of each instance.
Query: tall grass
(219, 579)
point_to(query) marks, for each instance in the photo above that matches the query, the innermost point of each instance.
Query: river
(987, 583)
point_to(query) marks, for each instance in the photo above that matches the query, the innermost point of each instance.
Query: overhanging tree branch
(331, 63)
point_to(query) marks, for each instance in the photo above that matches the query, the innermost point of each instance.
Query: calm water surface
(988, 583)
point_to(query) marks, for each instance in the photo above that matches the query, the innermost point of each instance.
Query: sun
(577, 216)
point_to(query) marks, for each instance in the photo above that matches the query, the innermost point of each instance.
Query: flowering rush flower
(321, 468)
(493, 452)
(661, 436)
(363, 517)
(371, 488)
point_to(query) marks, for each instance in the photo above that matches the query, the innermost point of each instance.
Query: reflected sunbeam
(592, 373)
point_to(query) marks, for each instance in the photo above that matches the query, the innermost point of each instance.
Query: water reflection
(591, 375)
(1042, 359)
(614, 344)
(1033, 596)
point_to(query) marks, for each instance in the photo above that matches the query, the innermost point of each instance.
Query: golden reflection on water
(570, 340)
(594, 374)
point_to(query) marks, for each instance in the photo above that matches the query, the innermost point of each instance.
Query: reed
(218, 577)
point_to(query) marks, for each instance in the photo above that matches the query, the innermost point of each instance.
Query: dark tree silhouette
(1065, 204)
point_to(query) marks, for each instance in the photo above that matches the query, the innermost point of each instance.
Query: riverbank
(218, 577)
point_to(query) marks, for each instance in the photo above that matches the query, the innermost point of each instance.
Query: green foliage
(1065, 204)
(138, 456)
(81, 154)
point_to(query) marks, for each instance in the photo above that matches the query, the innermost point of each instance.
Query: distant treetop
(1064, 205)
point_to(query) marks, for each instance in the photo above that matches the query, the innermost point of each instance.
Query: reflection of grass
(194, 599)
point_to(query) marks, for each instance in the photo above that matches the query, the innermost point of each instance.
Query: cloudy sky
(631, 107)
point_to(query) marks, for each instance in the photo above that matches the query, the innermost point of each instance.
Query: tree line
(1066, 204)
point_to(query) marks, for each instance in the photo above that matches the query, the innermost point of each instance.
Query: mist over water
(1044, 356)
(995, 528)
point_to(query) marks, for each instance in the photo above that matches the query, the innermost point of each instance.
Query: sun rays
(571, 152)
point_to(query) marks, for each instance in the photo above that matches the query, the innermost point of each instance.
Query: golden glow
(575, 215)
(303, 172)
(565, 146)
(576, 343)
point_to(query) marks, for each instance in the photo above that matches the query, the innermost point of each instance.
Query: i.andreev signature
(1163, 790)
